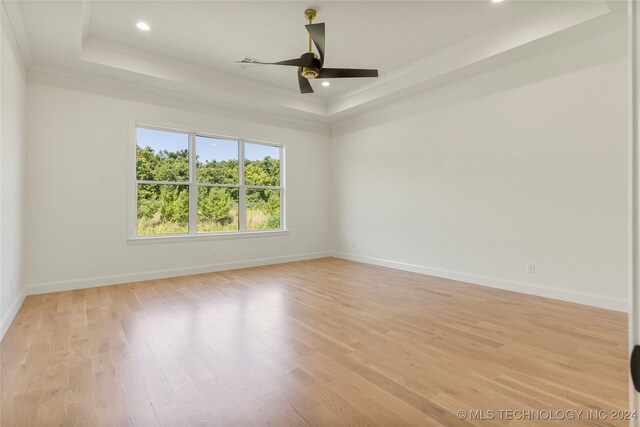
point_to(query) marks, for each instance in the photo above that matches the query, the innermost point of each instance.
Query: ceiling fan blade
(316, 31)
(296, 62)
(305, 86)
(249, 60)
(248, 63)
(339, 73)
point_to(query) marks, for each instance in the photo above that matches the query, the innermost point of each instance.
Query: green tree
(217, 172)
(146, 163)
(262, 172)
(214, 203)
(174, 203)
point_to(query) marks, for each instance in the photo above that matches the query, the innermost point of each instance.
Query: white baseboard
(601, 301)
(594, 300)
(90, 282)
(8, 317)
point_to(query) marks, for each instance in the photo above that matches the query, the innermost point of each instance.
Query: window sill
(175, 238)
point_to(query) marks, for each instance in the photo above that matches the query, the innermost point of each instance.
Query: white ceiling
(358, 34)
(192, 46)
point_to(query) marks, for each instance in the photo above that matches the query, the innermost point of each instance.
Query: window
(190, 183)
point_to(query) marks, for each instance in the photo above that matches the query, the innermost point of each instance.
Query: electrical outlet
(531, 268)
(353, 245)
(214, 252)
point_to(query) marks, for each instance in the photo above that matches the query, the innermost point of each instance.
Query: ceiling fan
(310, 65)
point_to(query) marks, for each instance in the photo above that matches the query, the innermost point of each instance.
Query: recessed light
(496, 1)
(325, 84)
(143, 26)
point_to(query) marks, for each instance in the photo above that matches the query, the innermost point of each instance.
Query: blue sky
(206, 148)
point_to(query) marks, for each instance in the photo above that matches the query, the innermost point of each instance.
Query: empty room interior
(328, 213)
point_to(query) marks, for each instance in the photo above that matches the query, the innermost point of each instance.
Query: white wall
(78, 151)
(527, 164)
(12, 162)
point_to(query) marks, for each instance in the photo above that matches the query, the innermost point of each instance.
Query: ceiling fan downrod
(310, 72)
(310, 14)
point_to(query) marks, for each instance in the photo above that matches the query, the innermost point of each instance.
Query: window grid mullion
(264, 187)
(149, 182)
(242, 202)
(193, 187)
(200, 184)
(206, 184)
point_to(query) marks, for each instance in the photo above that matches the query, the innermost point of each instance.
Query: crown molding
(588, 10)
(598, 49)
(490, 49)
(86, 20)
(124, 57)
(495, 47)
(530, 35)
(118, 88)
(151, 69)
(12, 12)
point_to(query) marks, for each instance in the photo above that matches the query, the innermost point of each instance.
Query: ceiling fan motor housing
(313, 71)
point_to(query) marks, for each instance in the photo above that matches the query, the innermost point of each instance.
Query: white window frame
(193, 233)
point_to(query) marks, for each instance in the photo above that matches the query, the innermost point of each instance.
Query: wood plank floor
(324, 343)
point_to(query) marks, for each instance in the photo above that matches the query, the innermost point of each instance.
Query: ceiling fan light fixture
(310, 72)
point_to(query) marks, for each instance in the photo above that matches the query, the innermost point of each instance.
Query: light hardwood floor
(325, 342)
